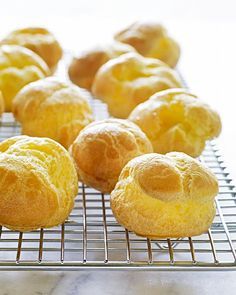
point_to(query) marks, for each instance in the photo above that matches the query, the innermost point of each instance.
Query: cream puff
(176, 120)
(151, 40)
(38, 183)
(165, 196)
(52, 108)
(126, 81)
(84, 67)
(18, 67)
(103, 148)
(39, 40)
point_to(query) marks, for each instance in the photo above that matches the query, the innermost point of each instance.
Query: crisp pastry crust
(176, 120)
(103, 148)
(126, 81)
(39, 40)
(38, 183)
(151, 40)
(84, 67)
(18, 67)
(54, 109)
(1, 104)
(165, 196)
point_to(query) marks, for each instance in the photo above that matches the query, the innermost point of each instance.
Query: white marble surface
(116, 283)
(206, 31)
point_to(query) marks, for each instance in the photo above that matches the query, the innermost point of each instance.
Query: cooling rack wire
(91, 237)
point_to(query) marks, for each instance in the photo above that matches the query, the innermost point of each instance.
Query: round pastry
(1, 104)
(151, 40)
(165, 196)
(38, 183)
(176, 120)
(18, 67)
(54, 109)
(39, 40)
(103, 148)
(83, 68)
(126, 81)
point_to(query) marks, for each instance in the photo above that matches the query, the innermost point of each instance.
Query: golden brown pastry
(176, 120)
(126, 81)
(18, 67)
(103, 148)
(1, 104)
(165, 196)
(54, 109)
(39, 40)
(151, 40)
(83, 68)
(38, 183)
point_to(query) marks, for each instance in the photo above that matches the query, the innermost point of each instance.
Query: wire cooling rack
(91, 237)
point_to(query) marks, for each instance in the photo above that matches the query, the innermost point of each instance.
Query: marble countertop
(117, 282)
(204, 30)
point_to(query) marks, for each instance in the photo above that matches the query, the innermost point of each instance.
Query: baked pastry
(176, 120)
(38, 183)
(126, 81)
(165, 196)
(39, 40)
(151, 40)
(18, 67)
(103, 148)
(1, 104)
(83, 68)
(52, 108)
